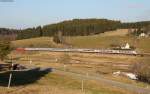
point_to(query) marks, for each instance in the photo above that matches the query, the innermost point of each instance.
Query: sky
(30, 13)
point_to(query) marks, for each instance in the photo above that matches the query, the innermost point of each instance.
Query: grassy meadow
(93, 64)
(105, 42)
(118, 37)
(54, 83)
(36, 42)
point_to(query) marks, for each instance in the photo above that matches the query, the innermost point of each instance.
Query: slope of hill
(118, 32)
(99, 41)
(36, 42)
(104, 41)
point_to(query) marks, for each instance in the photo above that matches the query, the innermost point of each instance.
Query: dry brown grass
(84, 63)
(119, 32)
(79, 63)
(36, 42)
(62, 84)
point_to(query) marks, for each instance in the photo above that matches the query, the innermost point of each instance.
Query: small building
(126, 47)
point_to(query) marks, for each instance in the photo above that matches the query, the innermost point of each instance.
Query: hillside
(75, 27)
(118, 32)
(85, 64)
(36, 42)
(104, 42)
(94, 41)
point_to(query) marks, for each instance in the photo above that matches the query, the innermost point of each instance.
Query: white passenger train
(102, 51)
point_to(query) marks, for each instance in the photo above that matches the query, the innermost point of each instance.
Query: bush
(142, 70)
(58, 38)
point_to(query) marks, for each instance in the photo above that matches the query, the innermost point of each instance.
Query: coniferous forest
(75, 27)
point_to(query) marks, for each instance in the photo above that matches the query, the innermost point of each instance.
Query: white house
(127, 46)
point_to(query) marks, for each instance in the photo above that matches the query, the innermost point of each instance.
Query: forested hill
(82, 27)
(76, 27)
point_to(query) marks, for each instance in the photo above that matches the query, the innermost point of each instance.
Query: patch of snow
(131, 76)
(117, 73)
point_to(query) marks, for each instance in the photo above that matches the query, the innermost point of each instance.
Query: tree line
(135, 25)
(75, 27)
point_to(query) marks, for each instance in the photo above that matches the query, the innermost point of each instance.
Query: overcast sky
(29, 13)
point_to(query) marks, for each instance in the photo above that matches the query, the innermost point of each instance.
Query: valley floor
(78, 63)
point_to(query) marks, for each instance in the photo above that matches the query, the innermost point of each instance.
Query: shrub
(142, 70)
